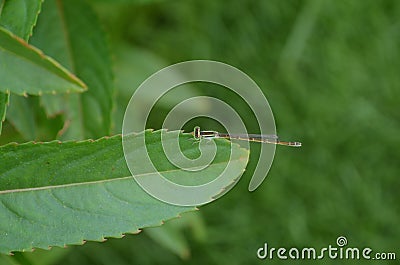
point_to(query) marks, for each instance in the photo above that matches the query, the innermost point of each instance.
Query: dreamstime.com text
(340, 251)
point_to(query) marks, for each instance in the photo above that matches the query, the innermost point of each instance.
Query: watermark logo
(338, 251)
(160, 83)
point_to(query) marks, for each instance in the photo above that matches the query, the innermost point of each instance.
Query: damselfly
(267, 139)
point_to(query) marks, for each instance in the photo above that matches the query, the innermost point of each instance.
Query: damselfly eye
(196, 132)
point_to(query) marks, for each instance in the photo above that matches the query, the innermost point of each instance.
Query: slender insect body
(268, 139)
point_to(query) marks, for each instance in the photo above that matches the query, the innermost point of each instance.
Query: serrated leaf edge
(103, 239)
(39, 52)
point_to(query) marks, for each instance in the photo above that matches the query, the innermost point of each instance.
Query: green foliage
(23, 117)
(329, 70)
(63, 193)
(57, 194)
(19, 16)
(4, 98)
(22, 62)
(69, 32)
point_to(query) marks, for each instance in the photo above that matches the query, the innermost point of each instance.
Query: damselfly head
(196, 132)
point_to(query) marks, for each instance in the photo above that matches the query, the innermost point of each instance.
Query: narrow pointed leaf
(26, 70)
(69, 31)
(55, 194)
(19, 16)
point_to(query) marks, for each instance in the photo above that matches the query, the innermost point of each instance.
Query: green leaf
(172, 235)
(26, 70)
(171, 238)
(29, 120)
(19, 16)
(7, 260)
(122, 2)
(54, 105)
(54, 194)
(4, 98)
(22, 116)
(69, 31)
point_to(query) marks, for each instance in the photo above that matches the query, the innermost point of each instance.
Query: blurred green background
(330, 70)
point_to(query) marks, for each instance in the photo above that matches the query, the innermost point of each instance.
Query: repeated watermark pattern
(339, 251)
(160, 83)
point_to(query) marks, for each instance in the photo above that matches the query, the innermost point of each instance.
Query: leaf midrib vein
(95, 181)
